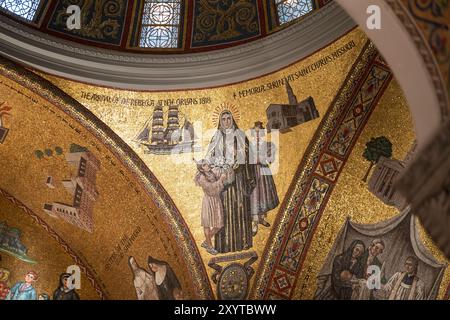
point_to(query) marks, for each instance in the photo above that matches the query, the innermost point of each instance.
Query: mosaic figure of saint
(167, 284)
(144, 282)
(4, 288)
(264, 197)
(228, 152)
(369, 259)
(347, 268)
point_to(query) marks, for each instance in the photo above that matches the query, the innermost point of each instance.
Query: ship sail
(159, 138)
(158, 126)
(144, 133)
(173, 125)
(188, 134)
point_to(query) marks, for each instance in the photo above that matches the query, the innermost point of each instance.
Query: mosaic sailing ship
(169, 139)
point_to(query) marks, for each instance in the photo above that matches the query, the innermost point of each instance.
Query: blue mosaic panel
(101, 20)
(226, 21)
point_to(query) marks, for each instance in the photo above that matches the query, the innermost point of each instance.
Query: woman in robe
(64, 291)
(166, 281)
(144, 282)
(228, 152)
(347, 267)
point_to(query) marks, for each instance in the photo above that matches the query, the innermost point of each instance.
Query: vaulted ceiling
(195, 25)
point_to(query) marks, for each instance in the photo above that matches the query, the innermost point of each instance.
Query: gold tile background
(119, 211)
(51, 259)
(177, 179)
(351, 197)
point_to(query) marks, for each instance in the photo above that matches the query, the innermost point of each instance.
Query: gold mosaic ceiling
(148, 205)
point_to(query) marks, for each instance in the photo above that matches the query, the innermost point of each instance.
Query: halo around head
(225, 107)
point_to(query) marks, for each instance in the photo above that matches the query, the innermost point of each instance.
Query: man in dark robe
(167, 283)
(371, 257)
(65, 291)
(347, 266)
(228, 152)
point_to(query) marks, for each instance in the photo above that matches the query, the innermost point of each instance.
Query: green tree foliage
(48, 152)
(376, 148)
(59, 151)
(39, 154)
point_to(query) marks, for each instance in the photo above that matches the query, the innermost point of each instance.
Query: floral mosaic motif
(335, 151)
(224, 21)
(305, 219)
(329, 167)
(283, 282)
(101, 20)
(357, 113)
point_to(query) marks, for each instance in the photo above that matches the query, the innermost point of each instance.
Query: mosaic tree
(375, 149)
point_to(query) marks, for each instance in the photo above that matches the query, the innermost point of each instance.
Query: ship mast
(173, 124)
(158, 125)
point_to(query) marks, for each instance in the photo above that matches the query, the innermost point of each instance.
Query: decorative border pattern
(130, 28)
(128, 158)
(433, 19)
(204, 11)
(317, 175)
(58, 239)
(108, 19)
(424, 50)
(191, 70)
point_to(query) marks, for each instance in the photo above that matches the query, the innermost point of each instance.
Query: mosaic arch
(77, 167)
(107, 173)
(283, 258)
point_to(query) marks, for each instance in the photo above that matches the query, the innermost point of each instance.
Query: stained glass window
(23, 8)
(289, 10)
(160, 24)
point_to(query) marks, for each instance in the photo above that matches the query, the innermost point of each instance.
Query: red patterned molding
(317, 175)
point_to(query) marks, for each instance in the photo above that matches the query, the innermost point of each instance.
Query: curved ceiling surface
(80, 169)
(83, 62)
(142, 25)
(144, 196)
